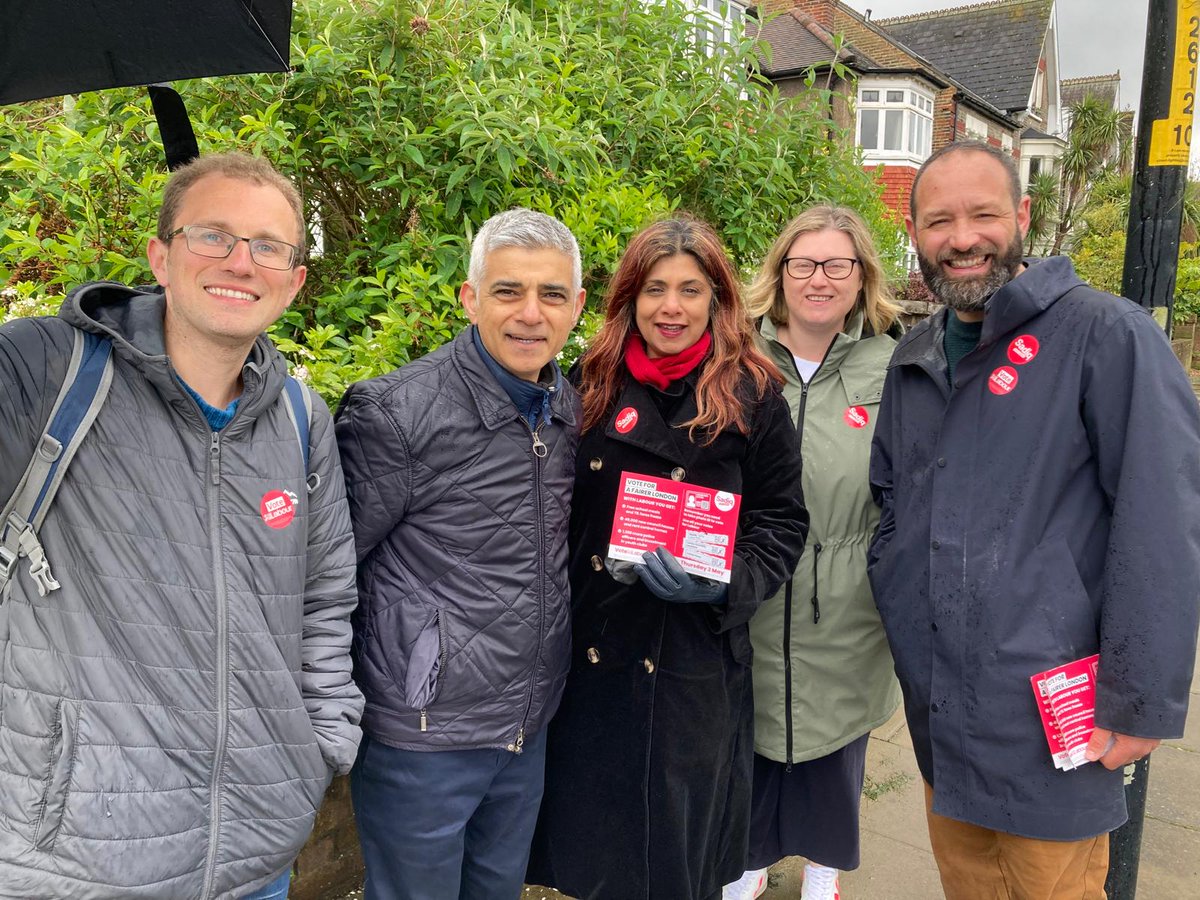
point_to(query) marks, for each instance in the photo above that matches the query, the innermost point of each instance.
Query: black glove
(665, 578)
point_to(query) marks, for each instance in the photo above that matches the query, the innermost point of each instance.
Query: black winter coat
(650, 755)
(1042, 511)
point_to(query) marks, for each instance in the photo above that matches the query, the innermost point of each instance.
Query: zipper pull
(539, 449)
(424, 721)
(520, 744)
(214, 457)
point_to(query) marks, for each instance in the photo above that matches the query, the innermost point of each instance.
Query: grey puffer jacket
(462, 639)
(170, 718)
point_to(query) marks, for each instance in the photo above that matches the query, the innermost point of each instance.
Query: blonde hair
(765, 296)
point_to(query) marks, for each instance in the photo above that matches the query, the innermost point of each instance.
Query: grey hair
(527, 230)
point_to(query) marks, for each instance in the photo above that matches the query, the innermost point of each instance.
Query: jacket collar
(651, 431)
(132, 318)
(492, 401)
(1029, 294)
(843, 343)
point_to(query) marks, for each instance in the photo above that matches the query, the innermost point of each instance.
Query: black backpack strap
(83, 392)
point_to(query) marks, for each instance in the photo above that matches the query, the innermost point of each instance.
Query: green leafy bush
(406, 126)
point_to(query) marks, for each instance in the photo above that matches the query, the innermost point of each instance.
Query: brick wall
(330, 865)
(897, 184)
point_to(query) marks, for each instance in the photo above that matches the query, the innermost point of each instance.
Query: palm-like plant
(1043, 209)
(1093, 146)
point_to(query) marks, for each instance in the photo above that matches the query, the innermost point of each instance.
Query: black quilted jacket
(462, 635)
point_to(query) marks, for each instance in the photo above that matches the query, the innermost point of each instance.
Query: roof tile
(992, 48)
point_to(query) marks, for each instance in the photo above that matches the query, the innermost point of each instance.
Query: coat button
(593, 655)
(936, 545)
(649, 664)
(597, 564)
(941, 462)
(677, 473)
(596, 464)
(933, 707)
(933, 626)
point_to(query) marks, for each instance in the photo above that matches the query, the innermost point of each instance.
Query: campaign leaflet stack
(696, 524)
(1066, 697)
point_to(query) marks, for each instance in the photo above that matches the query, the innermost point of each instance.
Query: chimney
(821, 11)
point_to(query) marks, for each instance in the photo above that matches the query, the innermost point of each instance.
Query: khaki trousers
(981, 864)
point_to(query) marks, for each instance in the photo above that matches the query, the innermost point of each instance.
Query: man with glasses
(173, 708)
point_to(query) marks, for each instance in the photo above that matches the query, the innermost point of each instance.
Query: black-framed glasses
(837, 267)
(217, 244)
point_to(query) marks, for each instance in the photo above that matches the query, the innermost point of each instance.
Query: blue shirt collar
(532, 400)
(217, 418)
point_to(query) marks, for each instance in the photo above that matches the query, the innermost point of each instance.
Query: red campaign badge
(1023, 349)
(626, 419)
(1003, 380)
(856, 416)
(278, 508)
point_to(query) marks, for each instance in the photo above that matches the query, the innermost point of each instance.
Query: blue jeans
(276, 890)
(441, 824)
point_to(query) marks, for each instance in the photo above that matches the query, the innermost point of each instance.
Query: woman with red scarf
(650, 755)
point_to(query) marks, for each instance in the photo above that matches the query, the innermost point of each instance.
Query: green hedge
(406, 130)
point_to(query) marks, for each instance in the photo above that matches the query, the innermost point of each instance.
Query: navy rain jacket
(1042, 511)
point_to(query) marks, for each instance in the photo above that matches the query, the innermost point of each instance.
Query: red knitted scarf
(663, 370)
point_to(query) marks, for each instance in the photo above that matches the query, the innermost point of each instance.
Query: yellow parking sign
(1171, 138)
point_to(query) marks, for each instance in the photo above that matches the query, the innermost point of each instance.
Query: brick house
(986, 71)
(1007, 52)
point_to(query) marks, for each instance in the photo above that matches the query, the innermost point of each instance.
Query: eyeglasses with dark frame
(837, 268)
(214, 243)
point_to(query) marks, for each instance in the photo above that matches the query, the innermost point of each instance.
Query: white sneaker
(820, 883)
(749, 886)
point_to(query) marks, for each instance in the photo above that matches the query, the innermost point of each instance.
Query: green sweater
(960, 339)
(842, 683)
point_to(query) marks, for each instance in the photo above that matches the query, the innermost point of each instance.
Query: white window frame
(976, 126)
(887, 101)
(1006, 142)
(718, 22)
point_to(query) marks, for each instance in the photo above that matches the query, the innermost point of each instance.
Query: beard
(971, 294)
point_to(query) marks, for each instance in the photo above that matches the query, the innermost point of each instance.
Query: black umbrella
(48, 49)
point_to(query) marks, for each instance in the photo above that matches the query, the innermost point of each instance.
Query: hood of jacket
(132, 318)
(843, 342)
(1032, 292)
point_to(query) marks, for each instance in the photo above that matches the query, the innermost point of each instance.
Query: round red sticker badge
(856, 416)
(1003, 380)
(1023, 349)
(626, 419)
(278, 508)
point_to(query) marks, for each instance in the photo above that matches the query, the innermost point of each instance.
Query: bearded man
(1035, 459)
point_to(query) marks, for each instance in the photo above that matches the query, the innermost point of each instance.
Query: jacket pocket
(58, 777)
(425, 664)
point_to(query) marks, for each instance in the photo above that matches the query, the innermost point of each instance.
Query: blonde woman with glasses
(822, 671)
